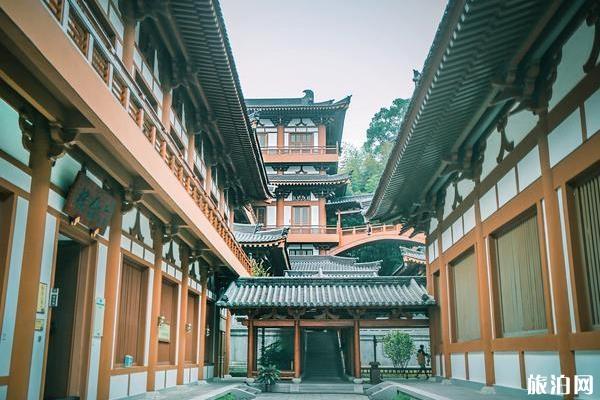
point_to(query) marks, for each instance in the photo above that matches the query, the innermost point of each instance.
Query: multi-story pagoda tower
(300, 142)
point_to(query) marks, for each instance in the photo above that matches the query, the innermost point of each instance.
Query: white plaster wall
(476, 367)
(588, 363)
(271, 139)
(447, 239)
(39, 337)
(137, 383)
(545, 363)
(465, 187)
(314, 215)
(448, 201)
(194, 374)
(507, 187)
(271, 215)
(171, 378)
(457, 230)
(529, 168)
(469, 219)
(507, 369)
(287, 215)
(492, 147)
(569, 71)
(565, 138)
(118, 386)
(15, 175)
(592, 114)
(487, 203)
(519, 125)
(92, 387)
(457, 366)
(12, 287)
(159, 380)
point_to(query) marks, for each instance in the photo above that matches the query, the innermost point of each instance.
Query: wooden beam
(325, 323)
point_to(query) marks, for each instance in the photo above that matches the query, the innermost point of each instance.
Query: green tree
(366, 164)
(385, 125)
(398, 347)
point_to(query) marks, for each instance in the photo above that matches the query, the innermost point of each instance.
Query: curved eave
(201, 27)
(474, 39)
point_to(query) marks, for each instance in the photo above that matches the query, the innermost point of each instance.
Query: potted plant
(268, 376)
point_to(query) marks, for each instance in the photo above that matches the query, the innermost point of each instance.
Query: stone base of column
(488, 390)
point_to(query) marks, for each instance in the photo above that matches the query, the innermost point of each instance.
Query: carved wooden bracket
(327, 314)
(505, 145)
(593, 18)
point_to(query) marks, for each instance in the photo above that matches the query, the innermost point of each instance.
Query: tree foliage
(385, 125)
(258, 268)
(398, 347)
(366, 164)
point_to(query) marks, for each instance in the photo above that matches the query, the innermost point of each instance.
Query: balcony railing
(76, 21)
(308, 229)
(369, 229)
(316, 150)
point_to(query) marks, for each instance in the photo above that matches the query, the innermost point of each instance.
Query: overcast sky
(366, 48)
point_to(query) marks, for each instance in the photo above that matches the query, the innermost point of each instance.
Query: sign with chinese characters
(89, 203)
(164, 332)
(42, 298)
(560, 385)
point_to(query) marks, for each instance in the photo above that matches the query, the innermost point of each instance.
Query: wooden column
(556, 269)
(297, 359)
(250, 361)
(485, 310)
(157, 239)
(227, 343)
(113, 270)
(322, 212)
(202, 333)
(129, 23)
(356, 349)
(18, 382)
(444, 301)
(279, 211)
(280, 140)
(191, 150)
(185, 266)
(166, 108)
(322, 135)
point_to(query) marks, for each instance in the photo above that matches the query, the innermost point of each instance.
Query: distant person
(422, 359)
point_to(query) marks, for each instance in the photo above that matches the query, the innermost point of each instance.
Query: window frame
(293, 216)
(535, 212)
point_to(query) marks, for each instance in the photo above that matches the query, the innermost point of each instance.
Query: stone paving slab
(439, 391)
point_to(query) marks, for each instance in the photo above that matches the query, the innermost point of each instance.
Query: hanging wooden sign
(89, 204)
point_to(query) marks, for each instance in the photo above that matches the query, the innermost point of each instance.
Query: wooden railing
(76, 22)
(369, 230)
(308, 229)
(317, 150)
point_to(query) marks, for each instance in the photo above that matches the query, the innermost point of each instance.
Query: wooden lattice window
(465, 296)
(587, 209)
(519, 278)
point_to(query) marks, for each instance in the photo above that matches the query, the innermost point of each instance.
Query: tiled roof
(307, 179)
(326, 292)
(455, 102)
(247, 234)
(351, 273)
(363, 200)
(414, 255)
(331, 263)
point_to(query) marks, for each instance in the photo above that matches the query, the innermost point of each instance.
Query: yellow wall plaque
(164, 332)
(42, 298)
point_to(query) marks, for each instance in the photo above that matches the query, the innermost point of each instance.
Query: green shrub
(398, 347)
(228, 396)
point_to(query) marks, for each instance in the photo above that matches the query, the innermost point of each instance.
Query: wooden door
(58, 362)
(191, 332)
(168, 310)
